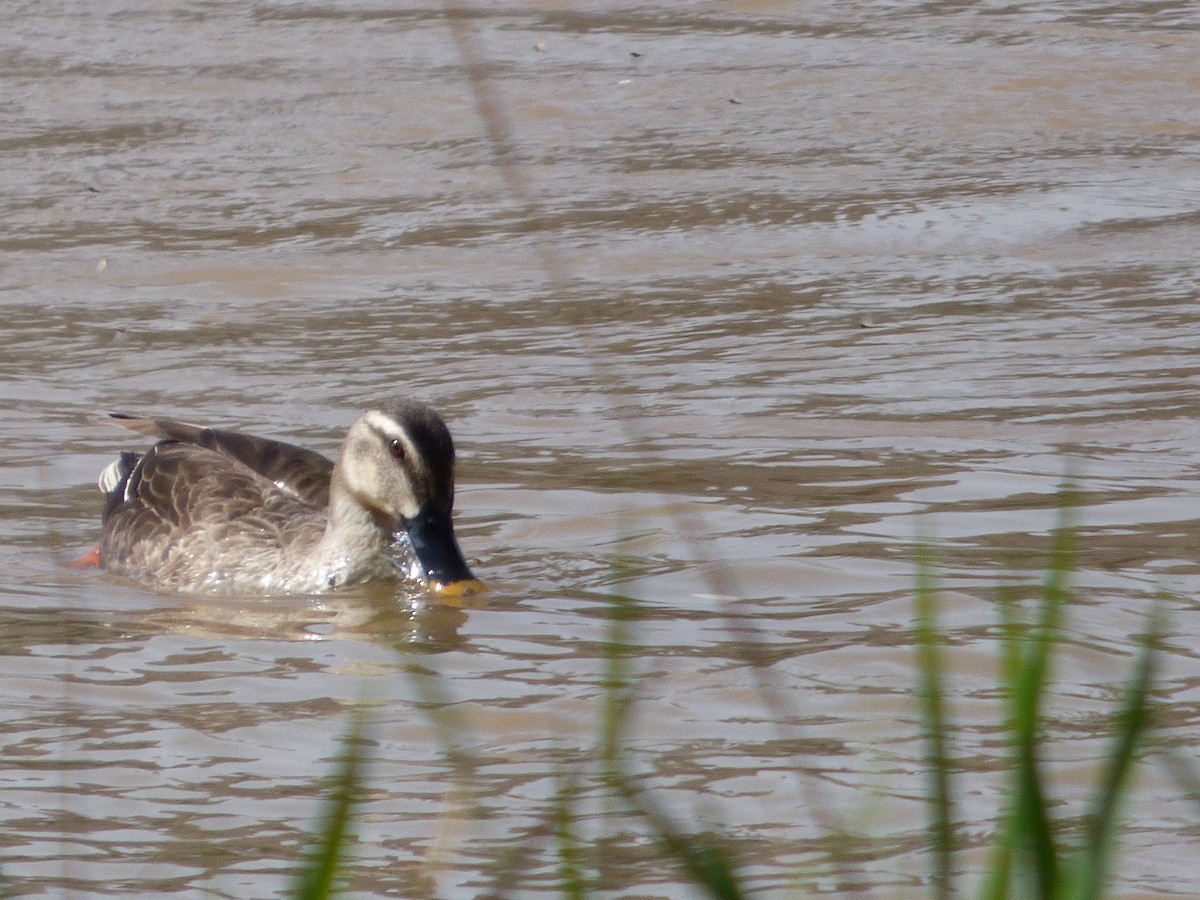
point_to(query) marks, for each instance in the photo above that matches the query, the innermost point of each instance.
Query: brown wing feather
(301, 472)
(187, 506)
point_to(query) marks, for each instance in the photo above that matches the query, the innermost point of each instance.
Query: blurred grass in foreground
(1032, 855)
(316, 878)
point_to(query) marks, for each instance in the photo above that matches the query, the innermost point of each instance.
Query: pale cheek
(358, 467)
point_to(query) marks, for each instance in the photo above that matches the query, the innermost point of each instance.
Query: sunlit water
(804, 282)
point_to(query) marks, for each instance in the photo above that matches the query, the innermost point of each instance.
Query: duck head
(398, 463)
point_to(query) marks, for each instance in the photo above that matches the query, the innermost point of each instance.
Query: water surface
(799, 283)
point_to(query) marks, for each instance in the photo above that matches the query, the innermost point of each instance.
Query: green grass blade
(998, 876)
(316, 880)
(997, 879)
(1133, 721)
(931, 668)
(570, 868)
(619, 685)
(707, 862)
(1033, 825)
(701, 855)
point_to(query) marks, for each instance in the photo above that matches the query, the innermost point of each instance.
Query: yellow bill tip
(458, 588)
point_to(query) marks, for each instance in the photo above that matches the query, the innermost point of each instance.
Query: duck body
(207, 510)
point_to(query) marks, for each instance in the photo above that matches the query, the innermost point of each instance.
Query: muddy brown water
(802, 282)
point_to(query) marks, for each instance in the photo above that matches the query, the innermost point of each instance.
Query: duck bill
(431, 535)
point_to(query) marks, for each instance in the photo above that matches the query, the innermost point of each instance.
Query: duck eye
(396, 448)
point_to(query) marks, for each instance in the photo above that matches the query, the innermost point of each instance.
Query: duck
(206, 510)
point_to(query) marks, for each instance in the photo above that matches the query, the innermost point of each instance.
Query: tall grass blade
(1034, 830)
(931, 672)
(316, 880)
(1033, 827)
(702, 857)
(570, 868)
(998, 876)
(436, 700)
(619, 685)
(706, 861)
(1133, 721)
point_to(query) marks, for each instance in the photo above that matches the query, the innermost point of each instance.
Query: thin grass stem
(931, 669)
(570, 856)
(1132, 723)
(317, 878)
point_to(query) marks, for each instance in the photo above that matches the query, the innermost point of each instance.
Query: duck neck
(354, 531)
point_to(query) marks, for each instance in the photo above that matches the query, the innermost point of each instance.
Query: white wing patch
(110, 477)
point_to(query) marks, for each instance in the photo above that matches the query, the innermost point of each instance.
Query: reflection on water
(833, 278)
